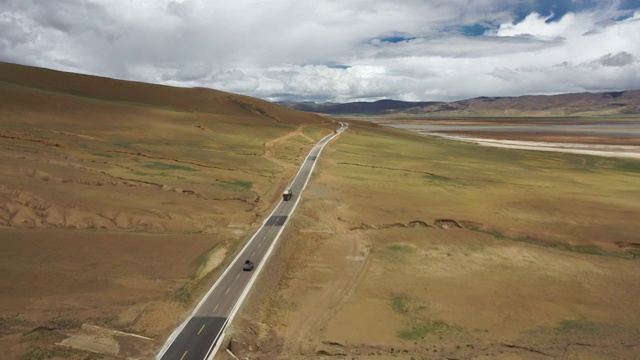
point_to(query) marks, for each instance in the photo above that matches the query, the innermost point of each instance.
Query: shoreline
(624, 151)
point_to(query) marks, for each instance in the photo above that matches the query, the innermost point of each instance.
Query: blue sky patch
(554, 8)
(629, 5)
(395, 39)
(474, 30)
(623, 17)
(338, 66)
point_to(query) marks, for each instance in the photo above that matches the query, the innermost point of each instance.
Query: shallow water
(602, 128)
(605, 129)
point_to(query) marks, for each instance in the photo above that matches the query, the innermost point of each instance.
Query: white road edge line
(220, 337)
(179, 329)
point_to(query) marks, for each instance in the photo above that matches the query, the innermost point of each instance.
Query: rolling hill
(368, 108)
(119, 201)
(193, 100)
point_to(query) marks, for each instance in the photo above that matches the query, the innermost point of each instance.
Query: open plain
(120, 203)
(421, 248)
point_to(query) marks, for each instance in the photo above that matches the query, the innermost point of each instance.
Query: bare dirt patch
(212, 260)
(105, 341)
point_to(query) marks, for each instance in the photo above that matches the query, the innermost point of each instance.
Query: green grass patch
(633, 253)
(65, 323)
(420, 330)
(403, 304)
(588, 328)
(584, 326)
(401, 248)
(163, 166)
(54, 352)
(108, 321)
(102, 155)
(590, 250)
(572, 324)
(44, 336)
(122, 144)
(443, 181)
(234, 185)
(399, 303)
(627, 165)
(395, 252)
(183, 294)
(8, 324)
(11, 320)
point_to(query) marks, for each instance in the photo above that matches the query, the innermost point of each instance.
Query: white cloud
(536, 25)
(284, 48)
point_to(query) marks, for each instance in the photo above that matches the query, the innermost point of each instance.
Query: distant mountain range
(377, 107)
(579, 104)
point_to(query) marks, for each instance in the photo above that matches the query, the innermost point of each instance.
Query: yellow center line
(203, 325)
(216, 308)
(185, 354)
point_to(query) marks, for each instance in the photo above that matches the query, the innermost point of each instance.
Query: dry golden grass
(374, 265)
(113, 195)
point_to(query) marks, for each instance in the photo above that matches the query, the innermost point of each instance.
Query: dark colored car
(248, 266)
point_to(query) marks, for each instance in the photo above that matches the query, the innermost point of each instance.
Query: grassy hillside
(190, 100)
(119, 201)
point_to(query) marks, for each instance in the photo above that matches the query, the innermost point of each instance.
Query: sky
(336, 50)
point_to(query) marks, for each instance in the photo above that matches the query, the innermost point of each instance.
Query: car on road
(247, 266)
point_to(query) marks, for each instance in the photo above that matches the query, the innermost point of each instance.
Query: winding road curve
(200, 336)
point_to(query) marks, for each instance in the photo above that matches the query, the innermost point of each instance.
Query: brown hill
(582, 104)
(357, 108)
(119, 201)
(183, 99)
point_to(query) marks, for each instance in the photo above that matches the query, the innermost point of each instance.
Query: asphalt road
(203, 329)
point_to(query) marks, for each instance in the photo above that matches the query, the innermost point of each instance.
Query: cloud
(14, 32)
(536, 26)
(622, 58)
(190, 71)
(335, 50)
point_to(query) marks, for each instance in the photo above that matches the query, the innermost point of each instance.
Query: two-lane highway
(198, 337)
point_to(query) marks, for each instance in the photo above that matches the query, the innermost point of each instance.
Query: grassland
(113, 197)
(412, 247)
